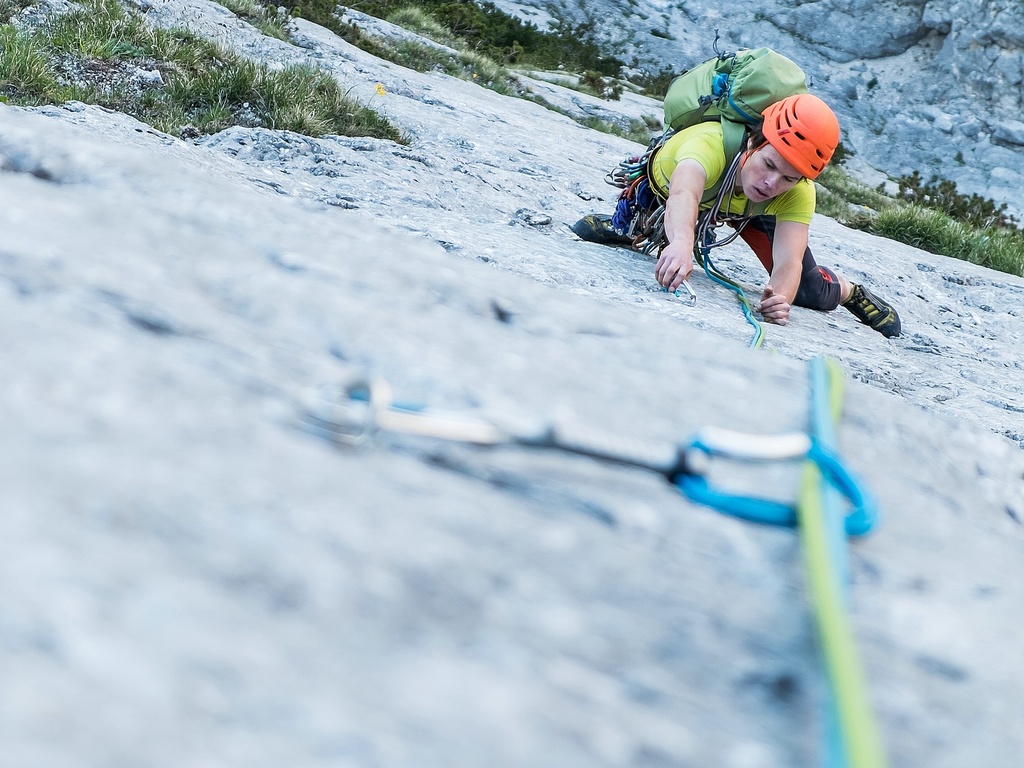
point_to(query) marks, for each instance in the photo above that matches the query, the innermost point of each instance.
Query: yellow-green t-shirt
(704, 143)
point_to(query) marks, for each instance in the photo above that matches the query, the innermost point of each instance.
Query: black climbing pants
(819, 286)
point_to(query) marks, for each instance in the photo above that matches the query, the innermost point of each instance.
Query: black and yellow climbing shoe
(597, 228)
(874, 312)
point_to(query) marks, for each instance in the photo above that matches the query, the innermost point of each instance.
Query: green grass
(95, 55)
(25, 74)
(467, 63)
(846, 199)
(457, 62)
(592, 83)
(639, 131)
(488, 43)
(905, 220)
(415, 19)
(933, 231)
(264, 17)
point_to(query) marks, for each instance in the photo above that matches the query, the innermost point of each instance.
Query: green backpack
(734, 88)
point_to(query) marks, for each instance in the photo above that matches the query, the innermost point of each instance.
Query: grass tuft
(936, 232)
(25, 73)
(415, 19)
(264, 17)
(105, 54)
(969, 229)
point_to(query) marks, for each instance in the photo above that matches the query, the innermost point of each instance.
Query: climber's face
(766, 174)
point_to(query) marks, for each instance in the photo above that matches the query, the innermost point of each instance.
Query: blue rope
(711, 271)
(824, 433)
(851, 737)
(844, 731)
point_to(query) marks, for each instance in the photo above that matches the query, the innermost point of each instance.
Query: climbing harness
(640, 215)
(349, 415)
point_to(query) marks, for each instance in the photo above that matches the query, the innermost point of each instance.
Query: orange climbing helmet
(804, 130)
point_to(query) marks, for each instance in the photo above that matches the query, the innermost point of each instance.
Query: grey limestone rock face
(193, 577)
(883, 29)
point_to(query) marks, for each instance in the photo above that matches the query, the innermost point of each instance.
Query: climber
(770, 200)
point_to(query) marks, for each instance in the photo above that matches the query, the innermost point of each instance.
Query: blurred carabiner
(352, 413)
(716, 442)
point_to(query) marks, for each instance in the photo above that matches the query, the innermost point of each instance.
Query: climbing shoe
(597, 228)
(872, 311)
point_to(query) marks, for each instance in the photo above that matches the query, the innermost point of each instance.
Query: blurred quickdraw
(349, 415)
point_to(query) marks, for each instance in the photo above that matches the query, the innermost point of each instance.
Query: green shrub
(601, 86)
(942, 195)
(484, 28)
(655, 84)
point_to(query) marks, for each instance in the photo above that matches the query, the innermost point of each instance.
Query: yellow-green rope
(861, 744)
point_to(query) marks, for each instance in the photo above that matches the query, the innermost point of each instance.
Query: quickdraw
(351, 414)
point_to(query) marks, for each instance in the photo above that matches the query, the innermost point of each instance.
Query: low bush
(942, 195)
(655, 84)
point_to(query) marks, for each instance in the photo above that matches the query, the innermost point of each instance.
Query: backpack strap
(734, 136)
